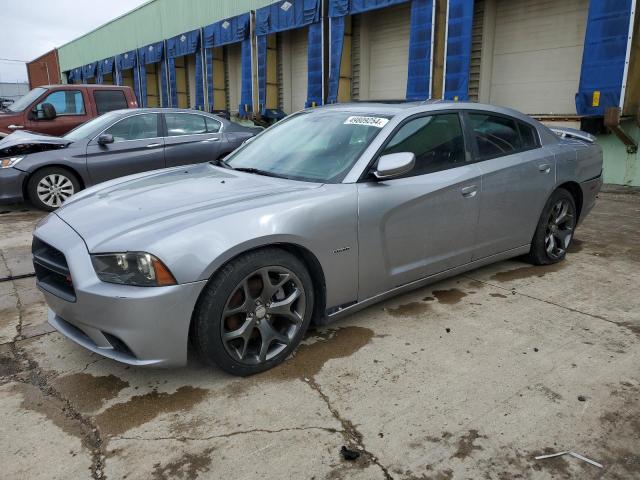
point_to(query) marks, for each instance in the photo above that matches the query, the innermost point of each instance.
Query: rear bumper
(134, 325)
(590, 190)
(11, 183)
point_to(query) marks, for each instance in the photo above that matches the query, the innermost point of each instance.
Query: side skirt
(349, 309)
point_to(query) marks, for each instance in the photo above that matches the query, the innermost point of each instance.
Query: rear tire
(49, 188)
(254, 312)
(555, 229)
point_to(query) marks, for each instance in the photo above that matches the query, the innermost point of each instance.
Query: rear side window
(528, 135)
(66, 102)
(136, 127)
(436, 140)
(108, 100)
(184, 124)
(213, 126)
(495, 136)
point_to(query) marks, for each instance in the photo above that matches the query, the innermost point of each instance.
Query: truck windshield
(23, 102)
(313, 146)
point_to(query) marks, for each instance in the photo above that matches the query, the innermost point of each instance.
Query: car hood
(24, 142)
(163, 201)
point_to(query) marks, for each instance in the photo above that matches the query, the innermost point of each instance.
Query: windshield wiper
(257, 171)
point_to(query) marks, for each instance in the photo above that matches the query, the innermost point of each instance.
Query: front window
(317, 146)
(66, 102)
(91, 128)
(137, 127)
(26, 100)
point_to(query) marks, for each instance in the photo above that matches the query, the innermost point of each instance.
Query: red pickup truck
(56, 109)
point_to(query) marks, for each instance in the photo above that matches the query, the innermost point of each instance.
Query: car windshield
(315, 146)
(92, 127)
(26, 100)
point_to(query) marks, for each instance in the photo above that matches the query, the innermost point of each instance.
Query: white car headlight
(9, 161)
(132, 268)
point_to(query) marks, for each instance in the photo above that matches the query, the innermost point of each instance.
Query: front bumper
(134, 325)
(11, 184)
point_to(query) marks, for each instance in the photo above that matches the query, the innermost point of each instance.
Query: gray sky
(33, 27)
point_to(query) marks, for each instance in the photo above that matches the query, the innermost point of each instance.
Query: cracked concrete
(468, 378)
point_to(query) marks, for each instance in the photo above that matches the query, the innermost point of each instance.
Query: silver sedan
(322, 214)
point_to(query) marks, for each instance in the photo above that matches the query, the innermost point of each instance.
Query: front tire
(254, 312)
(49, 188)
(555, 229)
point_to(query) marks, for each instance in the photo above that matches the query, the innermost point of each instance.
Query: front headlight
(132, 268)
(9, 161)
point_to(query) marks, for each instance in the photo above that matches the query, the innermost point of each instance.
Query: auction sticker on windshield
(378, 122)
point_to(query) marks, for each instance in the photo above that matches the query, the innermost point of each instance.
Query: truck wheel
(49, 188)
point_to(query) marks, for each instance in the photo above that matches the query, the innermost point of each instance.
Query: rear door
(518, 175)
(137, 147)
(424, 222)
(72, 109)
(191, 138)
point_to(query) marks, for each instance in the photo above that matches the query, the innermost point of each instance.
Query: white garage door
(384, 42)
(298, 68)
(538, 54)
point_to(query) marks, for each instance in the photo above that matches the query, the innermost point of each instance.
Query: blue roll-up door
(127, 72)
(105, 67)
(150, 59)
(88, 72)
(230, 31)
(420, 50)
(606, 49)
(283, 16)
(181, 45)
(458, 49)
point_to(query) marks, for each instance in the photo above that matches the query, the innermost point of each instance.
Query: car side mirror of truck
(48, 111)
(394, 165)
(105, 139)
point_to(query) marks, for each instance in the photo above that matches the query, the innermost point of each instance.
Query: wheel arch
(576, 192)
(310, 261)
(69, 169)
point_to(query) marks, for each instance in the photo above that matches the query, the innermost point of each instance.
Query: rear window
(179, 124)
(108, 100)
(528, 135)
(495, 135)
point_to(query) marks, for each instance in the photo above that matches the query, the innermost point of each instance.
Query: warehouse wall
(44, 70)
(620, 167)
(153, 21)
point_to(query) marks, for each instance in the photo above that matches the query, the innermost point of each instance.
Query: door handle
(544, 168)
(214, 139)
(154, 145)
(469, 192)
(15, 127)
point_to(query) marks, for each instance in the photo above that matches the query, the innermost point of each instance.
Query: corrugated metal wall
(153, 21)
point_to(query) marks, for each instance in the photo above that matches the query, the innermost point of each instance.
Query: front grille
(52, 271)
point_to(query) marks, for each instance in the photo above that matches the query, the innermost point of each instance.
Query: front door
(518, 175)
(137, 147)
(71, 111)
(425, 222)
(191, 138)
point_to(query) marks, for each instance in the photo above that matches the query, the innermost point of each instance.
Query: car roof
(124, 111)
(96, 86)
(395, 108)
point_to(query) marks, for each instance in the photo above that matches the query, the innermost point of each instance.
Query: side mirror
(48, 111)
(394, 165)
(105, 139)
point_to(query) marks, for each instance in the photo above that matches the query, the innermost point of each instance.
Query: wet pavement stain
(309, 359)
(576, 246)
(87, 392)
(411, 309)
(466, 445)
(449, 297)
(8, 366)
(187, 467)
(498, 295)
(141, 409)
(52, 408)
(529, 271)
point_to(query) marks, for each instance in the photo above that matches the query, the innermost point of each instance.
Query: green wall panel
(620, 167)
(151, 22)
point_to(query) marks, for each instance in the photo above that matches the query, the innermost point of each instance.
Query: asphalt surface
(468, 378)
